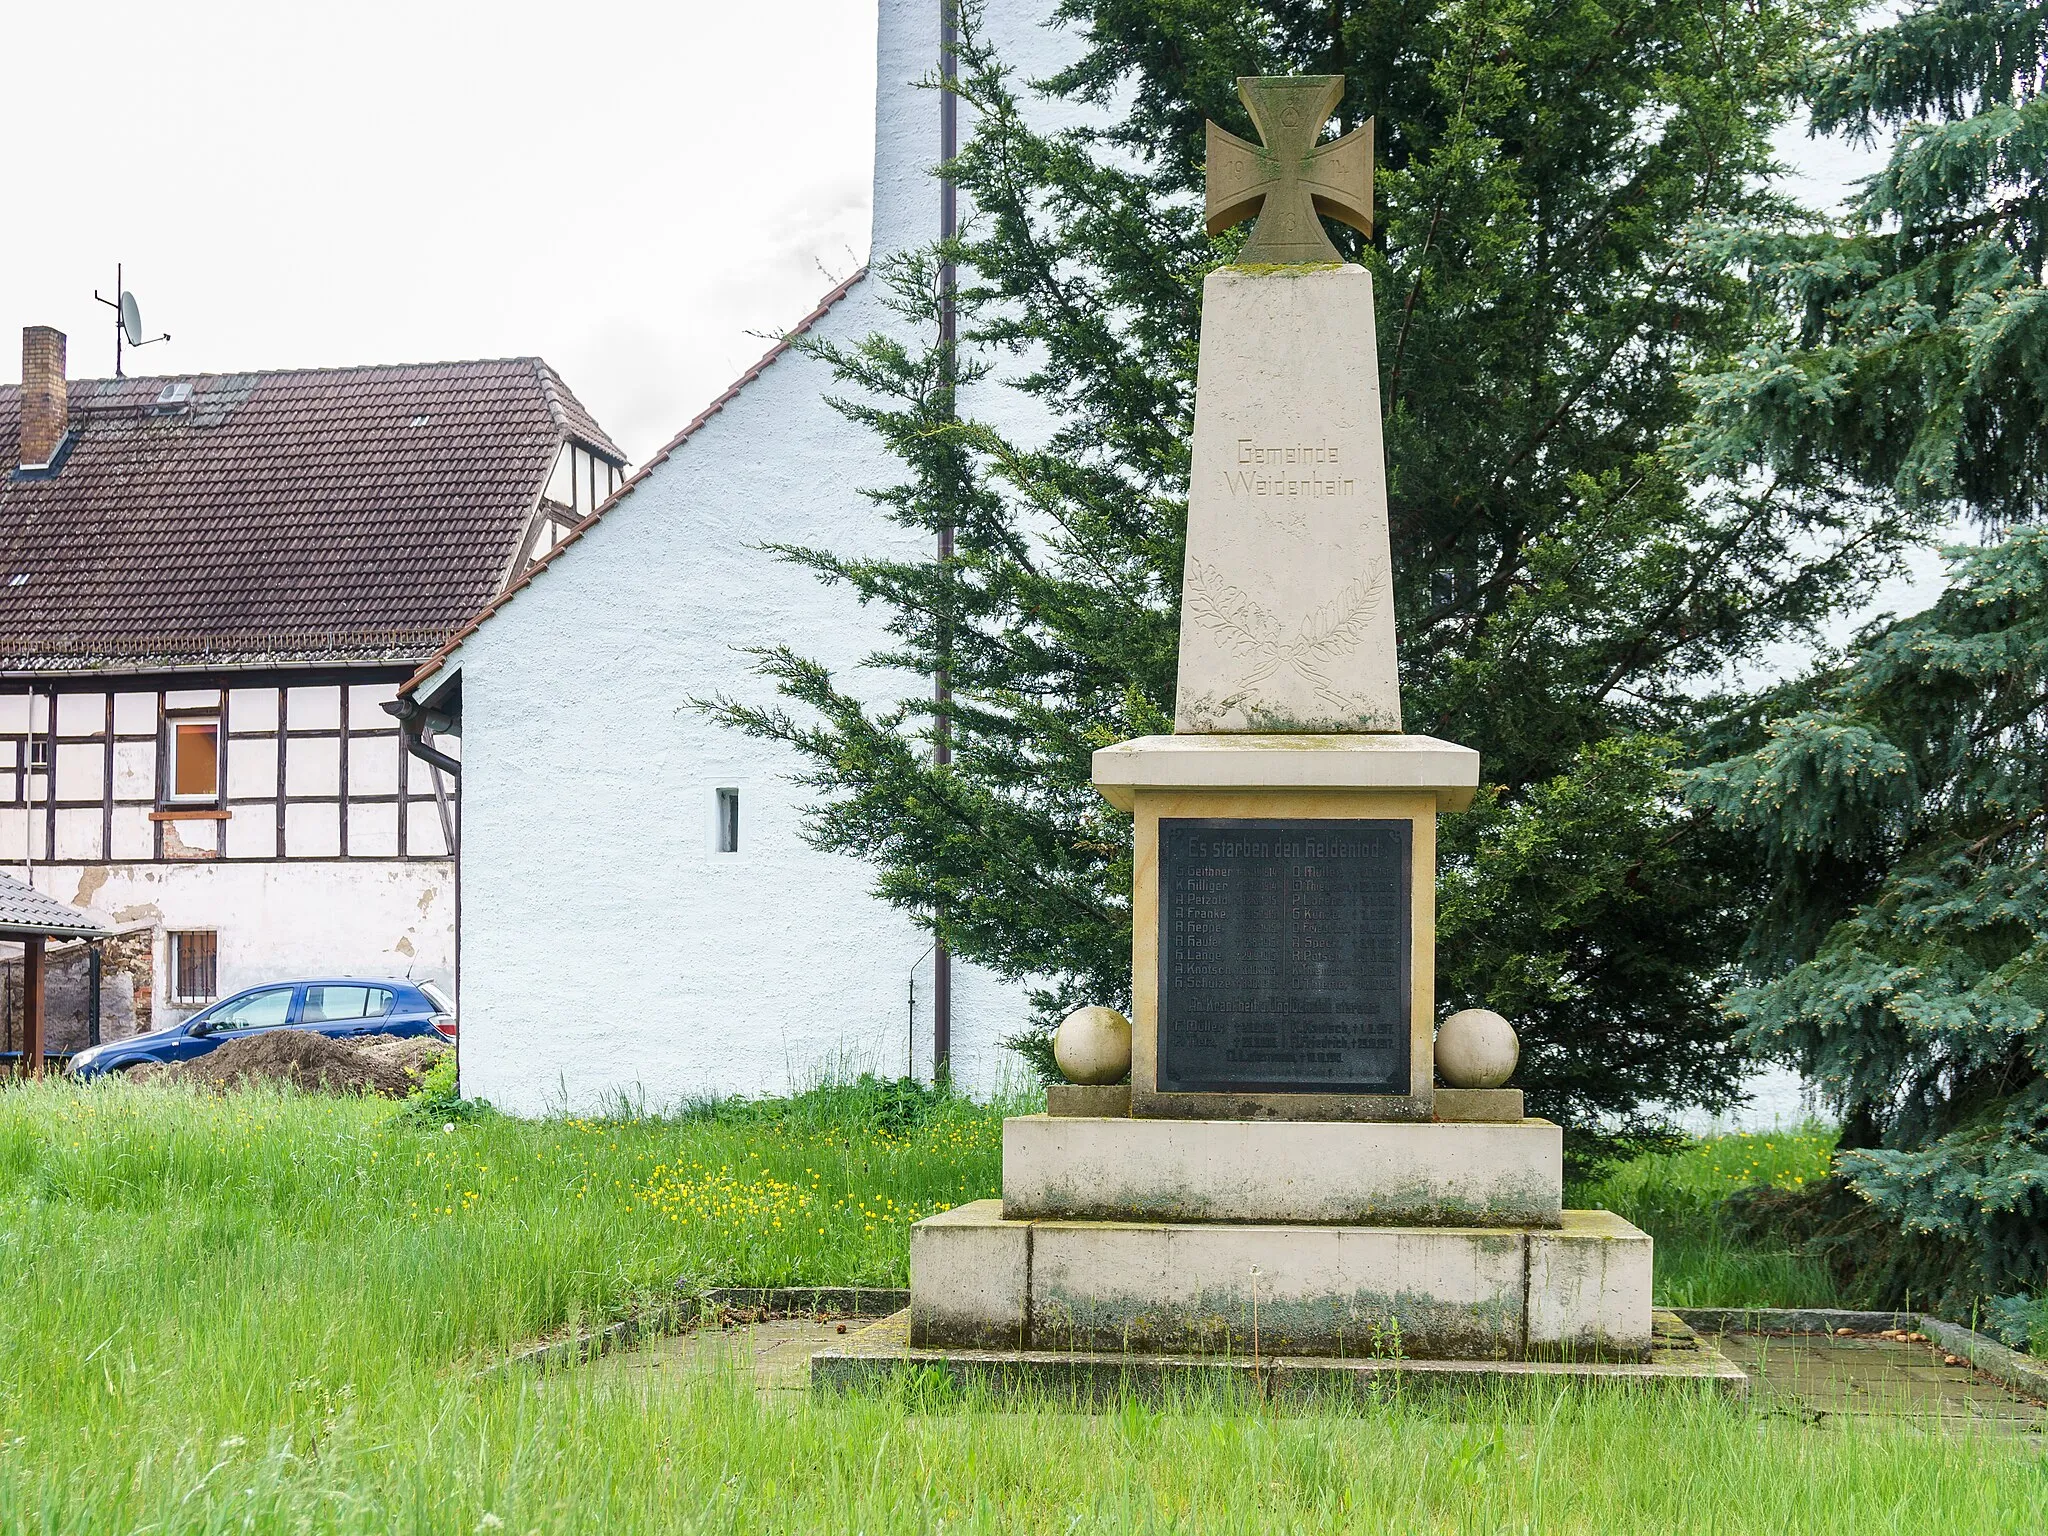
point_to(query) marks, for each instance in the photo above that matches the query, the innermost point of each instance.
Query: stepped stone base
(1482, 1104)
(1579, 1291)
(872, 1358)
(1335, 1172)
(1087, 1100)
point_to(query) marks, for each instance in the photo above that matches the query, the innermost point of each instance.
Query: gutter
(143, 666)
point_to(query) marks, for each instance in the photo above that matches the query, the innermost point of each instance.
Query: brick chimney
(44, 414)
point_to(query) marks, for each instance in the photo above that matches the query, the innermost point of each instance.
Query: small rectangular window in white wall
(728, 821)
(194, 964)
(193, 748)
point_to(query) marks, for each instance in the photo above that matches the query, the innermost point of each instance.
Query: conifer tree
(1567, 587)
(1901, 960)
(1915, 360)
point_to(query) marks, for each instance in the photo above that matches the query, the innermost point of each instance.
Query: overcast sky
(626, 189)
(631, 190)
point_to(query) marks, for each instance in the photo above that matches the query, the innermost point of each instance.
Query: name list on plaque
(1284, 956)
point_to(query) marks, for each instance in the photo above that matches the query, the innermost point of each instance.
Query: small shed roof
(26, 912)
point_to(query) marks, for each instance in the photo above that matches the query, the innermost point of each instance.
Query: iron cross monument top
(1290, 178)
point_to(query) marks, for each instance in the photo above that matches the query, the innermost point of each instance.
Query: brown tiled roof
(345, 513)
(732, 393)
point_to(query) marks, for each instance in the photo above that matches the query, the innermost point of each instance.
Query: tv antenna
(127, 320)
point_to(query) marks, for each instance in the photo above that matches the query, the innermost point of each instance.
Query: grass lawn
(1676, 1198)
(266, 1313)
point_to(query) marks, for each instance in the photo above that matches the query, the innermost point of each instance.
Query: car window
(259, 1010)
(437, 997)
(325, 1005)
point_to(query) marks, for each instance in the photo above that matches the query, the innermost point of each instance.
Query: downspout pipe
(417, 726)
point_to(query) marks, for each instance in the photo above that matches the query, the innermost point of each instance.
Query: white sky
(626, 189)
(634, 191)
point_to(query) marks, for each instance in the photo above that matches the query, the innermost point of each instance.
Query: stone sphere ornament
(1093, 1046)
(1476, 1048)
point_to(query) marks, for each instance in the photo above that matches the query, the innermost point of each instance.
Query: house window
(728, 821)
(39, 754)
(195, 968)
(195, 759)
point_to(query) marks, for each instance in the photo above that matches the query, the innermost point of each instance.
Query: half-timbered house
(210, 587)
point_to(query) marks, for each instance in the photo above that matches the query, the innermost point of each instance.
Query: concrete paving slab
(775, 1355)
(1822, 1377)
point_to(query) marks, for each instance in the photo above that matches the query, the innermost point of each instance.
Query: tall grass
(266, 1313)
(1676, 1198)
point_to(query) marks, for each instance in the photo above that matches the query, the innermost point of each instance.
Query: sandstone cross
(1289, 179)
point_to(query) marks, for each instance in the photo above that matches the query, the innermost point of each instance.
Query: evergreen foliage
(1902, 954)
(1567, 586)
(1916, 358)
(1904, 948)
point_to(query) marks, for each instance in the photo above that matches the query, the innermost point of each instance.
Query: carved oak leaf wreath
(1242, 625)
(1326, 633)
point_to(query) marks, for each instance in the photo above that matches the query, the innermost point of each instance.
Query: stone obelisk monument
(1284, 1174)
(1284, 956)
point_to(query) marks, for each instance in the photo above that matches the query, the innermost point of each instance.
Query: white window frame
(172, 723)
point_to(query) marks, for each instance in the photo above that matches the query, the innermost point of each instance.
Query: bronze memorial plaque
(1284, 956)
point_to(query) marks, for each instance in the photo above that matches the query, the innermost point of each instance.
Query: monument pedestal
(1330, 1173)
(1578, 1290)
(1283, 918)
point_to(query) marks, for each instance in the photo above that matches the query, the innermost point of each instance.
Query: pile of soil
(389, 1065)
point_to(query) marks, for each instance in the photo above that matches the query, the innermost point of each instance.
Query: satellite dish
(131, 318)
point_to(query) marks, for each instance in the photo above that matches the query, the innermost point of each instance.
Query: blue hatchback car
(343, 1005)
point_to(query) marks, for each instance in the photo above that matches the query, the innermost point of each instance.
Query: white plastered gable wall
(609, 952)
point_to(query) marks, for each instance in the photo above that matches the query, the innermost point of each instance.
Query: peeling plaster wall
(608, 952)
(278, 921)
